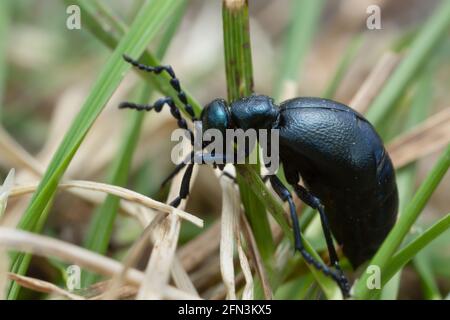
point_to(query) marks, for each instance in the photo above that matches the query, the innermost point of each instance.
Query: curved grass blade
(344, 64)
(407, 253)
(111, 40)
(422, 48)
(4, 26)
(403, 225)
(406, 176)
(303, 24)
(151, 18)
(424, 269)
(101, 227)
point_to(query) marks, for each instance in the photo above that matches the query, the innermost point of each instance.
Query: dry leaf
(120, 192)
(374, 82)
(227, 235)
(47, 247)
(428, 137)
(42, 286)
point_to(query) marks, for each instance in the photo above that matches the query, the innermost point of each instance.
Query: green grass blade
(135, 7)
(410, 250)
(430, 288)
(344, 64)
(255, 197)
(303, 24)
(419, 54)
(239, 75)
(101, 227)
(4, 28)
(20, 264)
(420, 105)
(405, 222)
(110, 17)
(111, 40)
(238, 59)
(329, 287)
(150, 19)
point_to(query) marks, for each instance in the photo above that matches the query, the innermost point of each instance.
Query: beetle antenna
(174, 82)
(157, 106)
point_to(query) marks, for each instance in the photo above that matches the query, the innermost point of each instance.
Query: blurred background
(48, 71)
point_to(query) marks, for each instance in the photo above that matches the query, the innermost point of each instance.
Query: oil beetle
(346, 172)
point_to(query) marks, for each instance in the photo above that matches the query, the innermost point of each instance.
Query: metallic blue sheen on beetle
(346, 172)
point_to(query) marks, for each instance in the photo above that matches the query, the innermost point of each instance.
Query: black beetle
(347, 174)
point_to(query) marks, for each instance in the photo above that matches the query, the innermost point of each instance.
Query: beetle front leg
(178, 168)
(184, 189)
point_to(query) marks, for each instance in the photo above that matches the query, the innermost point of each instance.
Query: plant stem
(239, 74)
(255, 196)
(303, 23)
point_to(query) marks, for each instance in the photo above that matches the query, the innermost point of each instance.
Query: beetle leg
(190, 158)
(174, 82)
(178, 168)
(315, 203)
(286, 196)
(230, 176)
(175, 171)
(184, 189)
(263, 178)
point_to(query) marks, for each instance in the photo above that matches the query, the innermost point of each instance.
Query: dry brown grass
(223, 261)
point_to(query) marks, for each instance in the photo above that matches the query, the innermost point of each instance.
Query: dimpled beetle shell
(343, 162)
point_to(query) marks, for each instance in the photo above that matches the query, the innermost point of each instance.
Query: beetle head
(216, 115)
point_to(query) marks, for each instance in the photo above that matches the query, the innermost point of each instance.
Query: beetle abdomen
(360, 219)
(342, 161)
